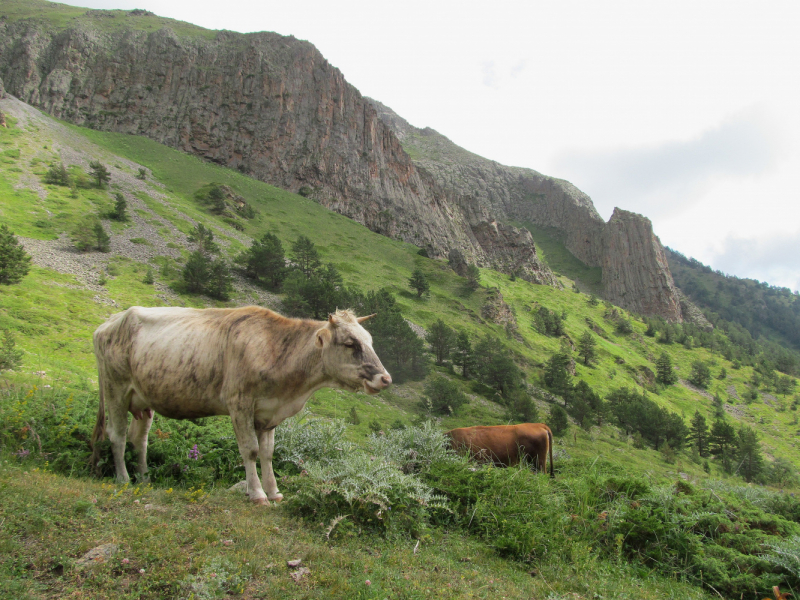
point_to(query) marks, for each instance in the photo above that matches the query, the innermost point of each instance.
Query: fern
(371, 490)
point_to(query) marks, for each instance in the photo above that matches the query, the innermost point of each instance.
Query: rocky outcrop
(512, 251)
(495, 310)
(635, 271)
(692, 314)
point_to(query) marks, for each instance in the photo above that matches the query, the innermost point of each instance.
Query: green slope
(53, 314)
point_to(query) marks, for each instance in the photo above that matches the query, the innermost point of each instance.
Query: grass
(169, 538)
(550, 247)
(61, 16)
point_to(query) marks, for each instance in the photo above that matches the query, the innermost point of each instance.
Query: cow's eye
(351, 344)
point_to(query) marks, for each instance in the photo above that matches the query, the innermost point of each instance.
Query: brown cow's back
(505, 444)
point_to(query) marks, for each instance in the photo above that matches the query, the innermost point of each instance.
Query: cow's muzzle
(379, 382)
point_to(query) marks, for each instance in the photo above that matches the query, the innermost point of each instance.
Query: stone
(97, 556)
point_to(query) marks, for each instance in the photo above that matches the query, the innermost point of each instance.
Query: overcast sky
(685, 111)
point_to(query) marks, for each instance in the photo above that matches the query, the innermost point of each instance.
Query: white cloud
(518, 68)
(770, 258)
(490, 75)
(661, 179)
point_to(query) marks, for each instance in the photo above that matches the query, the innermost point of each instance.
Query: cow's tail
(99, 432)
(550, 444)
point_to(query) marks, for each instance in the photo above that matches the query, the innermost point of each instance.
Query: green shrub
(10, 357)
(412, 449)
(371, 492)
(14, 261)
(301, 439)
(442, 396)
(57, 175)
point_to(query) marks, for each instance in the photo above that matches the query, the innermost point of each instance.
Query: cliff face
(630, 250)
(268, 105)
(635, 271)
(273, 107)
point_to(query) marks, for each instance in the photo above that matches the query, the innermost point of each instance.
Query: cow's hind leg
(244, 428)
(137, 434)
(266, 446)
(116, 427)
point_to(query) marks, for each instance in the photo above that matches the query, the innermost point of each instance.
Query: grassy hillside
(62, 16)
(768, 312)
(48, 404)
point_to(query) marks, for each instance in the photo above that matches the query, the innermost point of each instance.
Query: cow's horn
(332, 320)
(362, 319)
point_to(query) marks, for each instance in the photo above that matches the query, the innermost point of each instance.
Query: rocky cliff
(273, 107)
(268, 105)
(635, 271)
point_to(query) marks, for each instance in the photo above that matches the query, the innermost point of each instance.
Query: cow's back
(495, 442)
(177, 360)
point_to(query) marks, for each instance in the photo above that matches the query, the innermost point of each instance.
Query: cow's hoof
(260, 501)
(276, 498)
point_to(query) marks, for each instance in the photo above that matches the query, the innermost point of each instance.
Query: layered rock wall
(635, 271)
(268, 105)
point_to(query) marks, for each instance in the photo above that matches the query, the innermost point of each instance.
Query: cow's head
(347, 354)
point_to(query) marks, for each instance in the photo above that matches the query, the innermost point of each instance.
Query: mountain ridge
(274, 108)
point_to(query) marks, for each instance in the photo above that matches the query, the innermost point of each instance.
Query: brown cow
(250, 363)
(506, 444)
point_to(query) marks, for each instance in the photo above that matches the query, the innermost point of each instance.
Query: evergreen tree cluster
(89, 234)
(314, 290)
(548, 322)
(581, 402)
(635, 413)
(205, 272)
(761, 309)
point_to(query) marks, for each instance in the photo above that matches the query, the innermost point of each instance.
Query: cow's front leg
(266, 446)
(247, 440)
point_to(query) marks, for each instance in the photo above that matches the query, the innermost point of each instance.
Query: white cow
(250, 363)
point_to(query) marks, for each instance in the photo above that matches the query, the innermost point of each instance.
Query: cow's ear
(323, 337)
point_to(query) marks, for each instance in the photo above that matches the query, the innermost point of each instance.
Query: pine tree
(462, 354)
(57, 175)
(748, 454)
(265, 261)
(195, 272)
(441, 338)
(557, 420)
(700, 375)
(521, 408)
(556, 376)
(586, 347)
(473, 277)
(99, 173)
(102, 241)
(10, 357)
(219, 284)
(419, 282)
(14, 261)
(353, 419)
(699, 434)
(204, 238)
(120, 206)
(443, 396)
(306, 256)
(665, 374)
